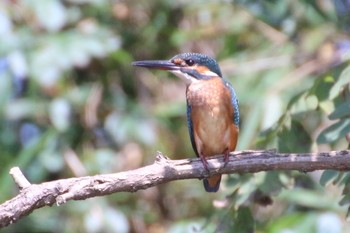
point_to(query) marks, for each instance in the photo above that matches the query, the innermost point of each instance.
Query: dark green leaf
(342, 80)
(321, 87)
(345, 200)
(334, 132)
(348, 214)
(343, 178)
(295, 139)
(327, 176)
(342, 110)
(245, 221)
(266, 137)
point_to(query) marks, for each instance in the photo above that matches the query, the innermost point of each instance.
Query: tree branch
(35, 196)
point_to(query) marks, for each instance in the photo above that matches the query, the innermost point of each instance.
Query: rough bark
(35, 196)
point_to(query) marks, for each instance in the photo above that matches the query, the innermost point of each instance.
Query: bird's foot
(205, 163)
(226, 157)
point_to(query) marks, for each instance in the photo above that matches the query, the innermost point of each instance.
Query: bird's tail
(212, 184)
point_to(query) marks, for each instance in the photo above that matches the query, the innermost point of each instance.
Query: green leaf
(348, 214)
(305, 103)
(245, 190)
(322, 87)
(343, 110)
(334, 132)
(271, 182)
(289, 221)
(343, 178)
(343, 79)
(327, 106)
(327, 176)
(311, 199)
(192, 225)
(295, 139)
(245, 221)
(51, 14)
(345, 200)
(267, 137)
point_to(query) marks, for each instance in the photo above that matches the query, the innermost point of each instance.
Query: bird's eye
(189, 62)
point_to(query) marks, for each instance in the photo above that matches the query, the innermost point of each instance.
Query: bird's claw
(205, 163)
(226, 157)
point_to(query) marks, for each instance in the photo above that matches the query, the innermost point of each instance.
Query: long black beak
(160, 65)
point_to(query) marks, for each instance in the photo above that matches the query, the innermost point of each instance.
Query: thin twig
(19, 178)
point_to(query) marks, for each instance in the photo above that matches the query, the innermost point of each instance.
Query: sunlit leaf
(343, 79)
(192, 226)
(285, 222)
(5, 23)
(115, 220)
(18, 64)
(60, 113)
(22, 108)
(327, 106)
(51, 14)
(304, 103)
(51, 160)
(57, 53)
(273, 110)
(308, 198)
(112, 220)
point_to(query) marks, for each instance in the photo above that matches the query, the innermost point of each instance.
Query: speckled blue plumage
(234, 102)
(190, 128)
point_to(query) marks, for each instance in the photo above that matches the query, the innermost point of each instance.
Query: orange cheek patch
(178, 61)
(201, 69)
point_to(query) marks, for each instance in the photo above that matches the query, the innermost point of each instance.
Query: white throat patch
(188, 78)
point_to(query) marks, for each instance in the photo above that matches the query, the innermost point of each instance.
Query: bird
(212, 107)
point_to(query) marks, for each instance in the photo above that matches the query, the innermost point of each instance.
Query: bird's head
(189, 66)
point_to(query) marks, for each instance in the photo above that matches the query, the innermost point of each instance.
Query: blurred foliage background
(72, 105)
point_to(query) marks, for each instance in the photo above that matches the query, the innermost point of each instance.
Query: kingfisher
(212, 107)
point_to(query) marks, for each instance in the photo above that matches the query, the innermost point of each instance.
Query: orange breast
(212, 117)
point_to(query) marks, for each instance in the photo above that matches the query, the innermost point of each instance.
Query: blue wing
(234, 102)
(190, 127)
